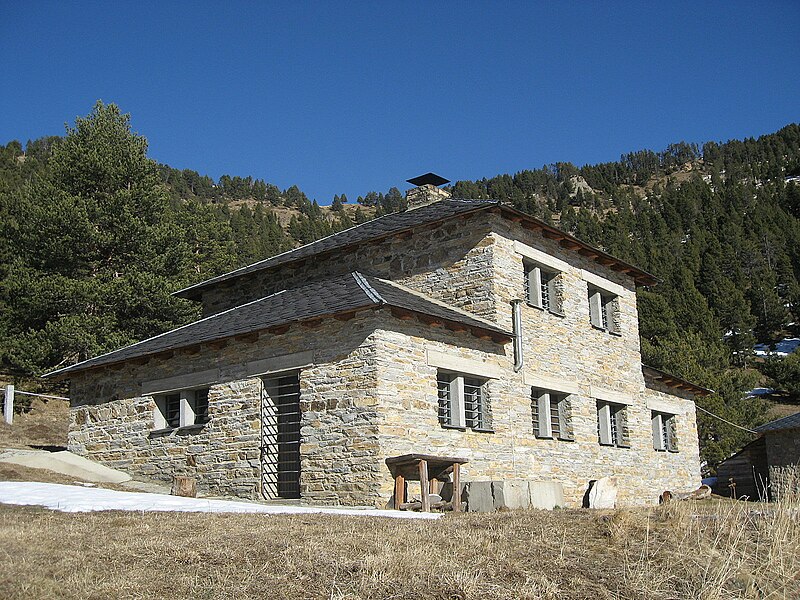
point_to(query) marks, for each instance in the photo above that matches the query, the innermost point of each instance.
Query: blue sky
(363, 95)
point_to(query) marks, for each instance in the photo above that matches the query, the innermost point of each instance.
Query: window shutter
(545, 431)
(596, 310)
(672, 434)
(535, 286)
(445, 400)
(565, 418)
(554, 292)
(621, 415)
(535, 411)
(604, 424)
(658, 443)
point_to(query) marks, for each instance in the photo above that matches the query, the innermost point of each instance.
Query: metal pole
(8, 406)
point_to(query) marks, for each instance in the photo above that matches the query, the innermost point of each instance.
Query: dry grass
(710, 550)
(44, 424)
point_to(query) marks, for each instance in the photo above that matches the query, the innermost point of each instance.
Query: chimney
(426, 191)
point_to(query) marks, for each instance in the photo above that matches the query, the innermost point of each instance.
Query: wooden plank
(456, 487)
(424, 485)
(399, 491)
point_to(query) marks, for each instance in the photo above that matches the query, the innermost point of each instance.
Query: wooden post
(456, 501)
(8, 406)
(399, 491)
(184, 486)
(424, 486)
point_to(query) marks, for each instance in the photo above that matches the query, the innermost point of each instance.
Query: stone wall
(567, 346)
(112, 420)
(783, 458)
(451, 263)
(408, 401)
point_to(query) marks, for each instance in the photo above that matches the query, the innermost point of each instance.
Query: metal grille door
(280, 437)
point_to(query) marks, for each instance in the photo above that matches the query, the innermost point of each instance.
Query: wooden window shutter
(604, 424)
(658, 442)
(534, 286)
(545, 430)
(565, 418)
(596, 310)
(535, 411)
(672, 434)
(445, 399)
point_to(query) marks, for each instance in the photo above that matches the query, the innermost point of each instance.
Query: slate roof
(790, 422)
(395, 223)
(336, 295)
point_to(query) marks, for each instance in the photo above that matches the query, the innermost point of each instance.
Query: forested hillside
(94, 236)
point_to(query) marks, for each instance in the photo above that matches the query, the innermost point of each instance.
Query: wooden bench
(429, 471)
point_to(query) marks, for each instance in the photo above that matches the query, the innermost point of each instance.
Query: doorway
(280, 436)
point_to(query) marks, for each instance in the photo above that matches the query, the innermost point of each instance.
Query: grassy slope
(44, 424)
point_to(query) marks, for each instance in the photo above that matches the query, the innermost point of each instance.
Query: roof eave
(496, 335)
(675, 381)
(570, 242)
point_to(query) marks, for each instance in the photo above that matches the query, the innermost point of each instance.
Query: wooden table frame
(429, 470)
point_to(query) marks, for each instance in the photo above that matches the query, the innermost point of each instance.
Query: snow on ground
(759, 392)
(783, 348)
(69, 498)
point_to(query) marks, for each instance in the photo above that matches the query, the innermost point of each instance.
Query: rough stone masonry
(369, 390)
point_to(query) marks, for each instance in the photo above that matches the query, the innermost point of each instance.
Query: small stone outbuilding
(768, 468)
(456, 328)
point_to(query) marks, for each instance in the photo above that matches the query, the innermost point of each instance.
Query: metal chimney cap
(431, 178)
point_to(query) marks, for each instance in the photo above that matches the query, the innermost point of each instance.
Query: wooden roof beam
(570, 244)
(402, 314)
(247, 337)
(346, 316)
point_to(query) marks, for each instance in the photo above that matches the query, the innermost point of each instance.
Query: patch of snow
(68, 498)
(759, 392)
(783, 348)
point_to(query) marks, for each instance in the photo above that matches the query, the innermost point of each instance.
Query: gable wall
(567, 346)
(450, 263)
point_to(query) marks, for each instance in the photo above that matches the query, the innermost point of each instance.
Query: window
(199, 404)
(172, 410)
(665, 437)
(541, 288)
(551, 415)
(181, 409)
(463, 402)
(612, 424)
(603, 310)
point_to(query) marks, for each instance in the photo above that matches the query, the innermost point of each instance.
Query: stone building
(768, 468)
(456, 328)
